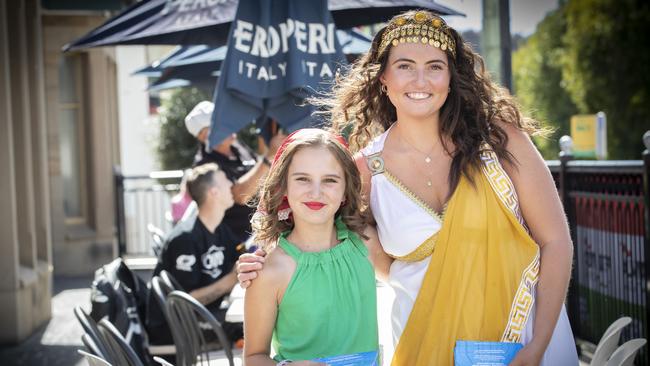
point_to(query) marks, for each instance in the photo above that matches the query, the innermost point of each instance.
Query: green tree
(176, 146)
(605, 67)
(538, 84)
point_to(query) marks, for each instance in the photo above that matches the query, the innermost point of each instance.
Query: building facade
(59, 141)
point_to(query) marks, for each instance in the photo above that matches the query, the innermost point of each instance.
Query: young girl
(316, 295)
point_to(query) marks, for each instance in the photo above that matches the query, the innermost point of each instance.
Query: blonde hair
(266, 225)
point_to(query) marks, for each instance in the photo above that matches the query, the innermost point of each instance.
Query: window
(71, 141)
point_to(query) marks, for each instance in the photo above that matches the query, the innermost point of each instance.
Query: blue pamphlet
(354, 359)
(470, 353)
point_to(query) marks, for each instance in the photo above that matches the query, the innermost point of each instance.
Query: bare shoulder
(277, 271)
(522, 148)
(362, 165)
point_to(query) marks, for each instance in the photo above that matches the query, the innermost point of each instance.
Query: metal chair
(98, 345)
(185, 313)
(625, 354)
(119, 350)
(93, 360)
(609, 341)
(161, 361)
(157, 237)
(170, 281)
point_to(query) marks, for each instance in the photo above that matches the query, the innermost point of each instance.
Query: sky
(524, 14)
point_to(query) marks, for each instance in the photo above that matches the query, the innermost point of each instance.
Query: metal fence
(606, 203)
(143, 200)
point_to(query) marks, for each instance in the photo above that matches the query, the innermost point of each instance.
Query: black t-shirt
(243, 160)
(196, 258)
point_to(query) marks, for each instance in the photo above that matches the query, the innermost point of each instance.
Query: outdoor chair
(161, 289)
(91, 346)
(170, 281)
(157, 238)
(119, 350)
(161, 361)
(98, 345)
(609, 341)
(93, 360)
(625, 354)
(185, 314)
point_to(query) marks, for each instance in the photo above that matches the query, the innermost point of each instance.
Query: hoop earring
(383, 88)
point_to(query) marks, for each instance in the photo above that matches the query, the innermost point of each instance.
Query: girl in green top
(316, 295)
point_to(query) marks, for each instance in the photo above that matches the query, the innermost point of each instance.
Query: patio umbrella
(208, 21)
(201, 64)
(279, 53)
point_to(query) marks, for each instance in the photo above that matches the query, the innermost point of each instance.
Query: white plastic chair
(625, 354)
(609, 341)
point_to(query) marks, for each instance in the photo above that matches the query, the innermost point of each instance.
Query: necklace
(427, 159)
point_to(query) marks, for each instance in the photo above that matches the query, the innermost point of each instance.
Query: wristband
(283, 363)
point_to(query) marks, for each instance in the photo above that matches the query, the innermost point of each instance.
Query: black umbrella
(208, 22)
(279, 52)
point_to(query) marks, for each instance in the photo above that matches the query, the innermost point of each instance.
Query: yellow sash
(480, 282)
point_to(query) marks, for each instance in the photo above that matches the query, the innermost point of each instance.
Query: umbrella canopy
(279, 52)
(200, 65)
(208, 21)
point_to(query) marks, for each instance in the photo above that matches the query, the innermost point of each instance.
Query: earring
(284, 210)
(383, 88)
(449, 90)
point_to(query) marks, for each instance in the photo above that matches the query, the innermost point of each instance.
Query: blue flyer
(471, 353)
(354, 359)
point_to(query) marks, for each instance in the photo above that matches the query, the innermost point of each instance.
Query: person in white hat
(241, 165)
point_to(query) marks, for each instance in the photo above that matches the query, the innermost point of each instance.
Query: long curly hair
(469, 117)
(266, 225)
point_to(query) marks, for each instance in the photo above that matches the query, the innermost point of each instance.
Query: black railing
(142, 200)
(606, 203)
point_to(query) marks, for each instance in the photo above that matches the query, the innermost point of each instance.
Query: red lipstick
(314, 205)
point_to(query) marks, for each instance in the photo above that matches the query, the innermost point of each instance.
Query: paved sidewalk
(57, 342)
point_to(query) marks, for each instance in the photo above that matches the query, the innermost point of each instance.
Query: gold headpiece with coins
(420, 27)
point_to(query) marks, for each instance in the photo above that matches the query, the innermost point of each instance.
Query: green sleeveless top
(330, 305)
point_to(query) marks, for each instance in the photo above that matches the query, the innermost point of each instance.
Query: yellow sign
(589, 135)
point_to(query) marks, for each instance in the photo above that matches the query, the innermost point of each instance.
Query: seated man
(200, 253)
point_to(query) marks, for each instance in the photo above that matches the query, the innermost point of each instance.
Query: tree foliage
(537, 71)
(589, 56)
(176, 146)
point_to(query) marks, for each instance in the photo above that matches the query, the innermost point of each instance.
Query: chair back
(170, 281)
(93, 360)
(185, 314)
(609, 341)
(157, 238)
(162, 361)
(98, 345)
(120, 351)
(161, 289)
(625, 354)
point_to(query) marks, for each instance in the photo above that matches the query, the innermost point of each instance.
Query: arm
(207, 294)
(246, 185)
(545, 217)
(260, 313)
(379, 259)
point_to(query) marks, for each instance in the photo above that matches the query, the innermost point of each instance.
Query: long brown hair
(266, 225)
(469, 117)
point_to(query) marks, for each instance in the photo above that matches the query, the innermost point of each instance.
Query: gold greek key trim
(501, 184)
(421, 252)
(522, 303)
(391, 178)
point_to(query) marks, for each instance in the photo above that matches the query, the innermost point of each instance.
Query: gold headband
(421, 27)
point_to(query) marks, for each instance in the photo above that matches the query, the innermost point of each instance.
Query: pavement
(55, 343)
